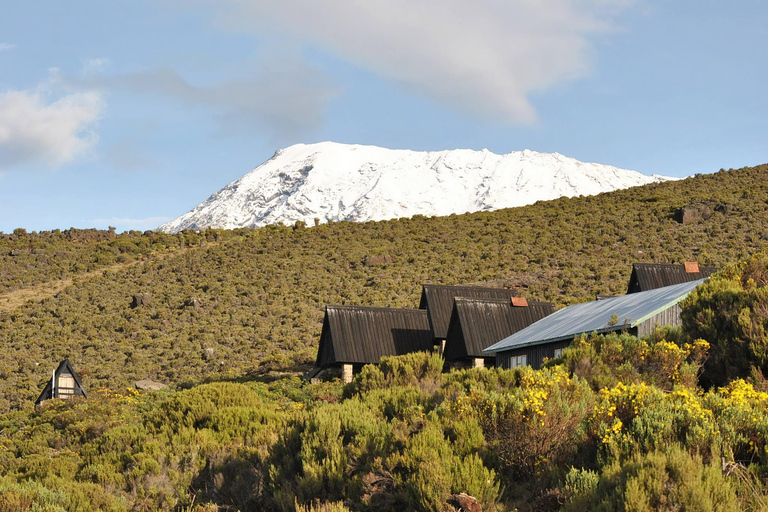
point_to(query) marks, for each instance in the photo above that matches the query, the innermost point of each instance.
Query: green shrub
(730, 311)
(31, 497)
(416, 369)
(318, 506)
(661, 480)
(579, 484)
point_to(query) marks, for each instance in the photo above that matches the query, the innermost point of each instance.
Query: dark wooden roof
(476, 324)
(437, 299)
(64, 367)
(649, 276)
(362, 335)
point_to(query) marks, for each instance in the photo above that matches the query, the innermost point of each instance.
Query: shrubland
(675, 421)
(635, 437)
(233, 303)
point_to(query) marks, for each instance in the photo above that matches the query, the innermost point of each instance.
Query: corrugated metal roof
(479, 323)
(363, 335)
(630, 310)
(437, 299)
(649, 276)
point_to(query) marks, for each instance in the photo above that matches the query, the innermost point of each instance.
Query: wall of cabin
(670, 316)
(535, 354)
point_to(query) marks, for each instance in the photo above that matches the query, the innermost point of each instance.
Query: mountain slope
(334, 182)
(257, 296)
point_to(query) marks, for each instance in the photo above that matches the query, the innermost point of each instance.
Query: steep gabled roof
(64, 367)
(437, 299)
(597, 316)
(363, 335)
(476, 324)
(648, 276)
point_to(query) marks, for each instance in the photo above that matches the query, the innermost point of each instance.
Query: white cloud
(41, 126)
(6, 46)
(484, 57)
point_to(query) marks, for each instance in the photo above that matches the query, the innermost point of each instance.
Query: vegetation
(676, 421)
(31, 258)
(510, 438)
(732, 308)
(256, 298)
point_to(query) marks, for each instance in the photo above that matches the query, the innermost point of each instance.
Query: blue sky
(131, 113)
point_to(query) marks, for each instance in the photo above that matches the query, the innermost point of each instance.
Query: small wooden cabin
(438, 299)
(476, 324)
(649, 276)
(64, 383)
(354, 336)
(637, 313)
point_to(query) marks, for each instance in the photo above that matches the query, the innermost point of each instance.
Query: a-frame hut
(64, 383)
(649, 276)
(437, 299)
(637, 313)
(354, 336)
(476, 324)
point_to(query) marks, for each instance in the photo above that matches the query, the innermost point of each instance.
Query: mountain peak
(330, 181)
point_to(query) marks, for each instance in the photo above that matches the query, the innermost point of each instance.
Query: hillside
(260, 293)
(327, 181)
(615, 423)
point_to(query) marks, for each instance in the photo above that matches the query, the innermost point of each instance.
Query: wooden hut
(64, 383)
(638, 313)
(438, 299)
(648, 276)
(476, 324)
(354, 336)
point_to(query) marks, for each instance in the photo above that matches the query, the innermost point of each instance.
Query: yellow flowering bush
(536, 423)
(663, 359)
(741, 414)
(638, 416)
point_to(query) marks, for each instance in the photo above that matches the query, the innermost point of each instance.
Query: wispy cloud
(484, 57)
(128, 155)
(283, 98)
(46, 125)
(97, 65)
(6, 46)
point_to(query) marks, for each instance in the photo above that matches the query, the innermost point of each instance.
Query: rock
(701, 210)
(464, 503)
(141, 299)
(149, 385)
(194, 302)
(381, 259)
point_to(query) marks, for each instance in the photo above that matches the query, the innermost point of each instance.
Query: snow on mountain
(331, 181)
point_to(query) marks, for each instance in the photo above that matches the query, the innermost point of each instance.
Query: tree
(730, 311)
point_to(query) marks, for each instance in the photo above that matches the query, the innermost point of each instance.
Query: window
(66, 385)
(558, 352)
(516, 361)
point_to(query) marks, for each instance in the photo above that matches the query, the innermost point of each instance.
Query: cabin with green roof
(637, 313)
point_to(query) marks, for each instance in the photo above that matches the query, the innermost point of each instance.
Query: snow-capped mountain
(330, 181)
